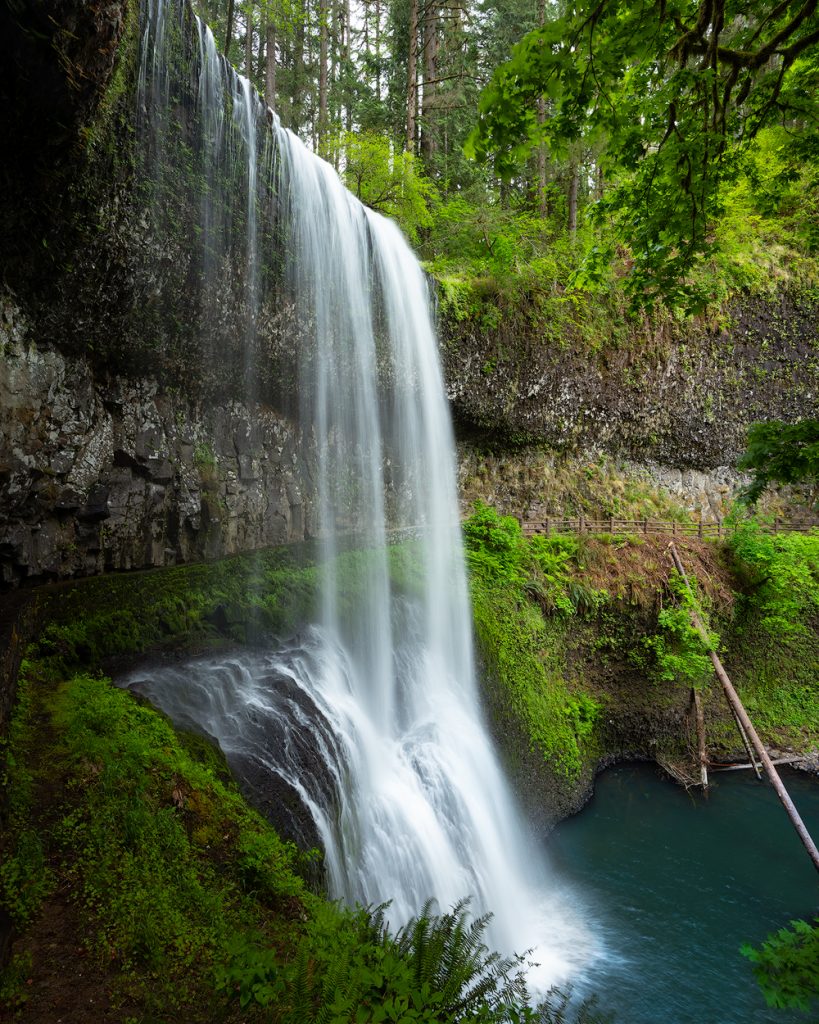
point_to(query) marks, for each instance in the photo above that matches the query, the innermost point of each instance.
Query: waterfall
(372, 717)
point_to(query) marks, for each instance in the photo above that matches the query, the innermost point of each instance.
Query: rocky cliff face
(676, 395)
(147, 414)
(118, 473)
(650, 424)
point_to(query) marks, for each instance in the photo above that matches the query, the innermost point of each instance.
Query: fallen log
(739, 767)
(742, 716)
(701, 751)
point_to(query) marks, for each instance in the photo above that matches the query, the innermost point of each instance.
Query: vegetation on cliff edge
(130, 852)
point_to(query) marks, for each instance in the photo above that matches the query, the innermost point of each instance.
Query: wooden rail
(581, 524)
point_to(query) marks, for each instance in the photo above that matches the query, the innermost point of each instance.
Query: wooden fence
(654, 526)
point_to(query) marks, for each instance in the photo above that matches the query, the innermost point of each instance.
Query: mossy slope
(589, 656)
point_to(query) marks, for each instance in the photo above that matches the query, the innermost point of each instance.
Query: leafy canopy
(787, 966)
(782, 453)
(387, 180)
(673, 94)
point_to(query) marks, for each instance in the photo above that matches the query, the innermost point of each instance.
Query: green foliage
(349, 969)
(773, 642)
(435, 969)
(781, 453)
(554, 556)
(387, 180)
(13, 977)
(495, 547)
(783, 572)
(144, 831)
(447, 956)
(678, 650)
(521, 592)
(787, 966)
(673, 95)
(25, 878)
(503, 266)
(766, 234)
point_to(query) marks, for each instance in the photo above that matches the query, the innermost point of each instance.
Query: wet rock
(116, 476)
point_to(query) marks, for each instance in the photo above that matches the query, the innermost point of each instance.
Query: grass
(511, 580)
(160, 859)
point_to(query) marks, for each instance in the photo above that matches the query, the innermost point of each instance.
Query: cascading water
(372, 717)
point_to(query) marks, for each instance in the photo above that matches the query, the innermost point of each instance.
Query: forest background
(656, 156)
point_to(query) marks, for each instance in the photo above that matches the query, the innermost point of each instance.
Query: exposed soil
(65, 985)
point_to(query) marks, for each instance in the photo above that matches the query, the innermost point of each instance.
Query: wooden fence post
(701, 749)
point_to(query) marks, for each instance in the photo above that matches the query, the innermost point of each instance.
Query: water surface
(679, 883)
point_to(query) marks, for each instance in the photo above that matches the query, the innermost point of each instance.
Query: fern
(448, 954)
(349, 969)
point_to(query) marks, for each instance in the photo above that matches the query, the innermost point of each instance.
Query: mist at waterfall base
(370, 718)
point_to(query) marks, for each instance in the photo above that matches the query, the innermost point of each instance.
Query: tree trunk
(702, 752)
(742, 717)
(249, 40)
(348, 70)
(573, 182)
(378, 50)
(412, 74)
(229, 29)
(260, 61)
(323, 29)
(428, 143)
(270, 65)
(296, 98)
(541, 120)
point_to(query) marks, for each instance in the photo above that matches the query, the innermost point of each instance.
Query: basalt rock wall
(112, 473)
(678, 396)
(147, 415)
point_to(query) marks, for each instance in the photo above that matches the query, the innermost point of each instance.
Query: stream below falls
(678, 883)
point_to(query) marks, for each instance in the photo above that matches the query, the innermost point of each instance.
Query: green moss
(161, 859)
(25, 879)
(116, 103)
(774, 644)
(523, 649)
(567, 625)
(130, 838)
